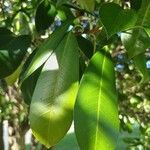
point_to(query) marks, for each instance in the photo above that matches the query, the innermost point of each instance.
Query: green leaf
(10, 80)
(12, 53)
(61, 2)
(96, 113)
(116, 19)
(86, 46)
(136, 4)
(64, 13)
(45, 15)
(102, 39)
(68, 143)
(21, 24)
(28, 85)
(139, 39)
(136, 42)
(87, 5)
(51, 109)
(144, 14)
(5, 36)
(45, 50)
(140, 63)
(82, 67)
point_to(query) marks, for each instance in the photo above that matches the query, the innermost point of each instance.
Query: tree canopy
(80, 61)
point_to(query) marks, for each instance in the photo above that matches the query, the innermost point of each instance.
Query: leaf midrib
(57, 79)
(56, 82)
(29, 71)
(49, 111)
(146, 12)
(99, 100)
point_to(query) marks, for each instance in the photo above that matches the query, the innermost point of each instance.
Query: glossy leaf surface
(86, 46)
(45, 15)
(21, 25)
(51, 109)
(96, 113)
(138, 39)
(28, 85)
(144, 14)
(12, 52)
(136, 42)
(10, 80)
(116, 19)
(45, 50)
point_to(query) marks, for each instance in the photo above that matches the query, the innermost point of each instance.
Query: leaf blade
(52, 107)
(143, 14)
(45, 50)
(12, 54)
(45, 15)
(92, 109)
(116, 19)
(136, 42)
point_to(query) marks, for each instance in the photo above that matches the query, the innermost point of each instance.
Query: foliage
(78, 60)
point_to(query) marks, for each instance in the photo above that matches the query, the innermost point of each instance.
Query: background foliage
(32, 30)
